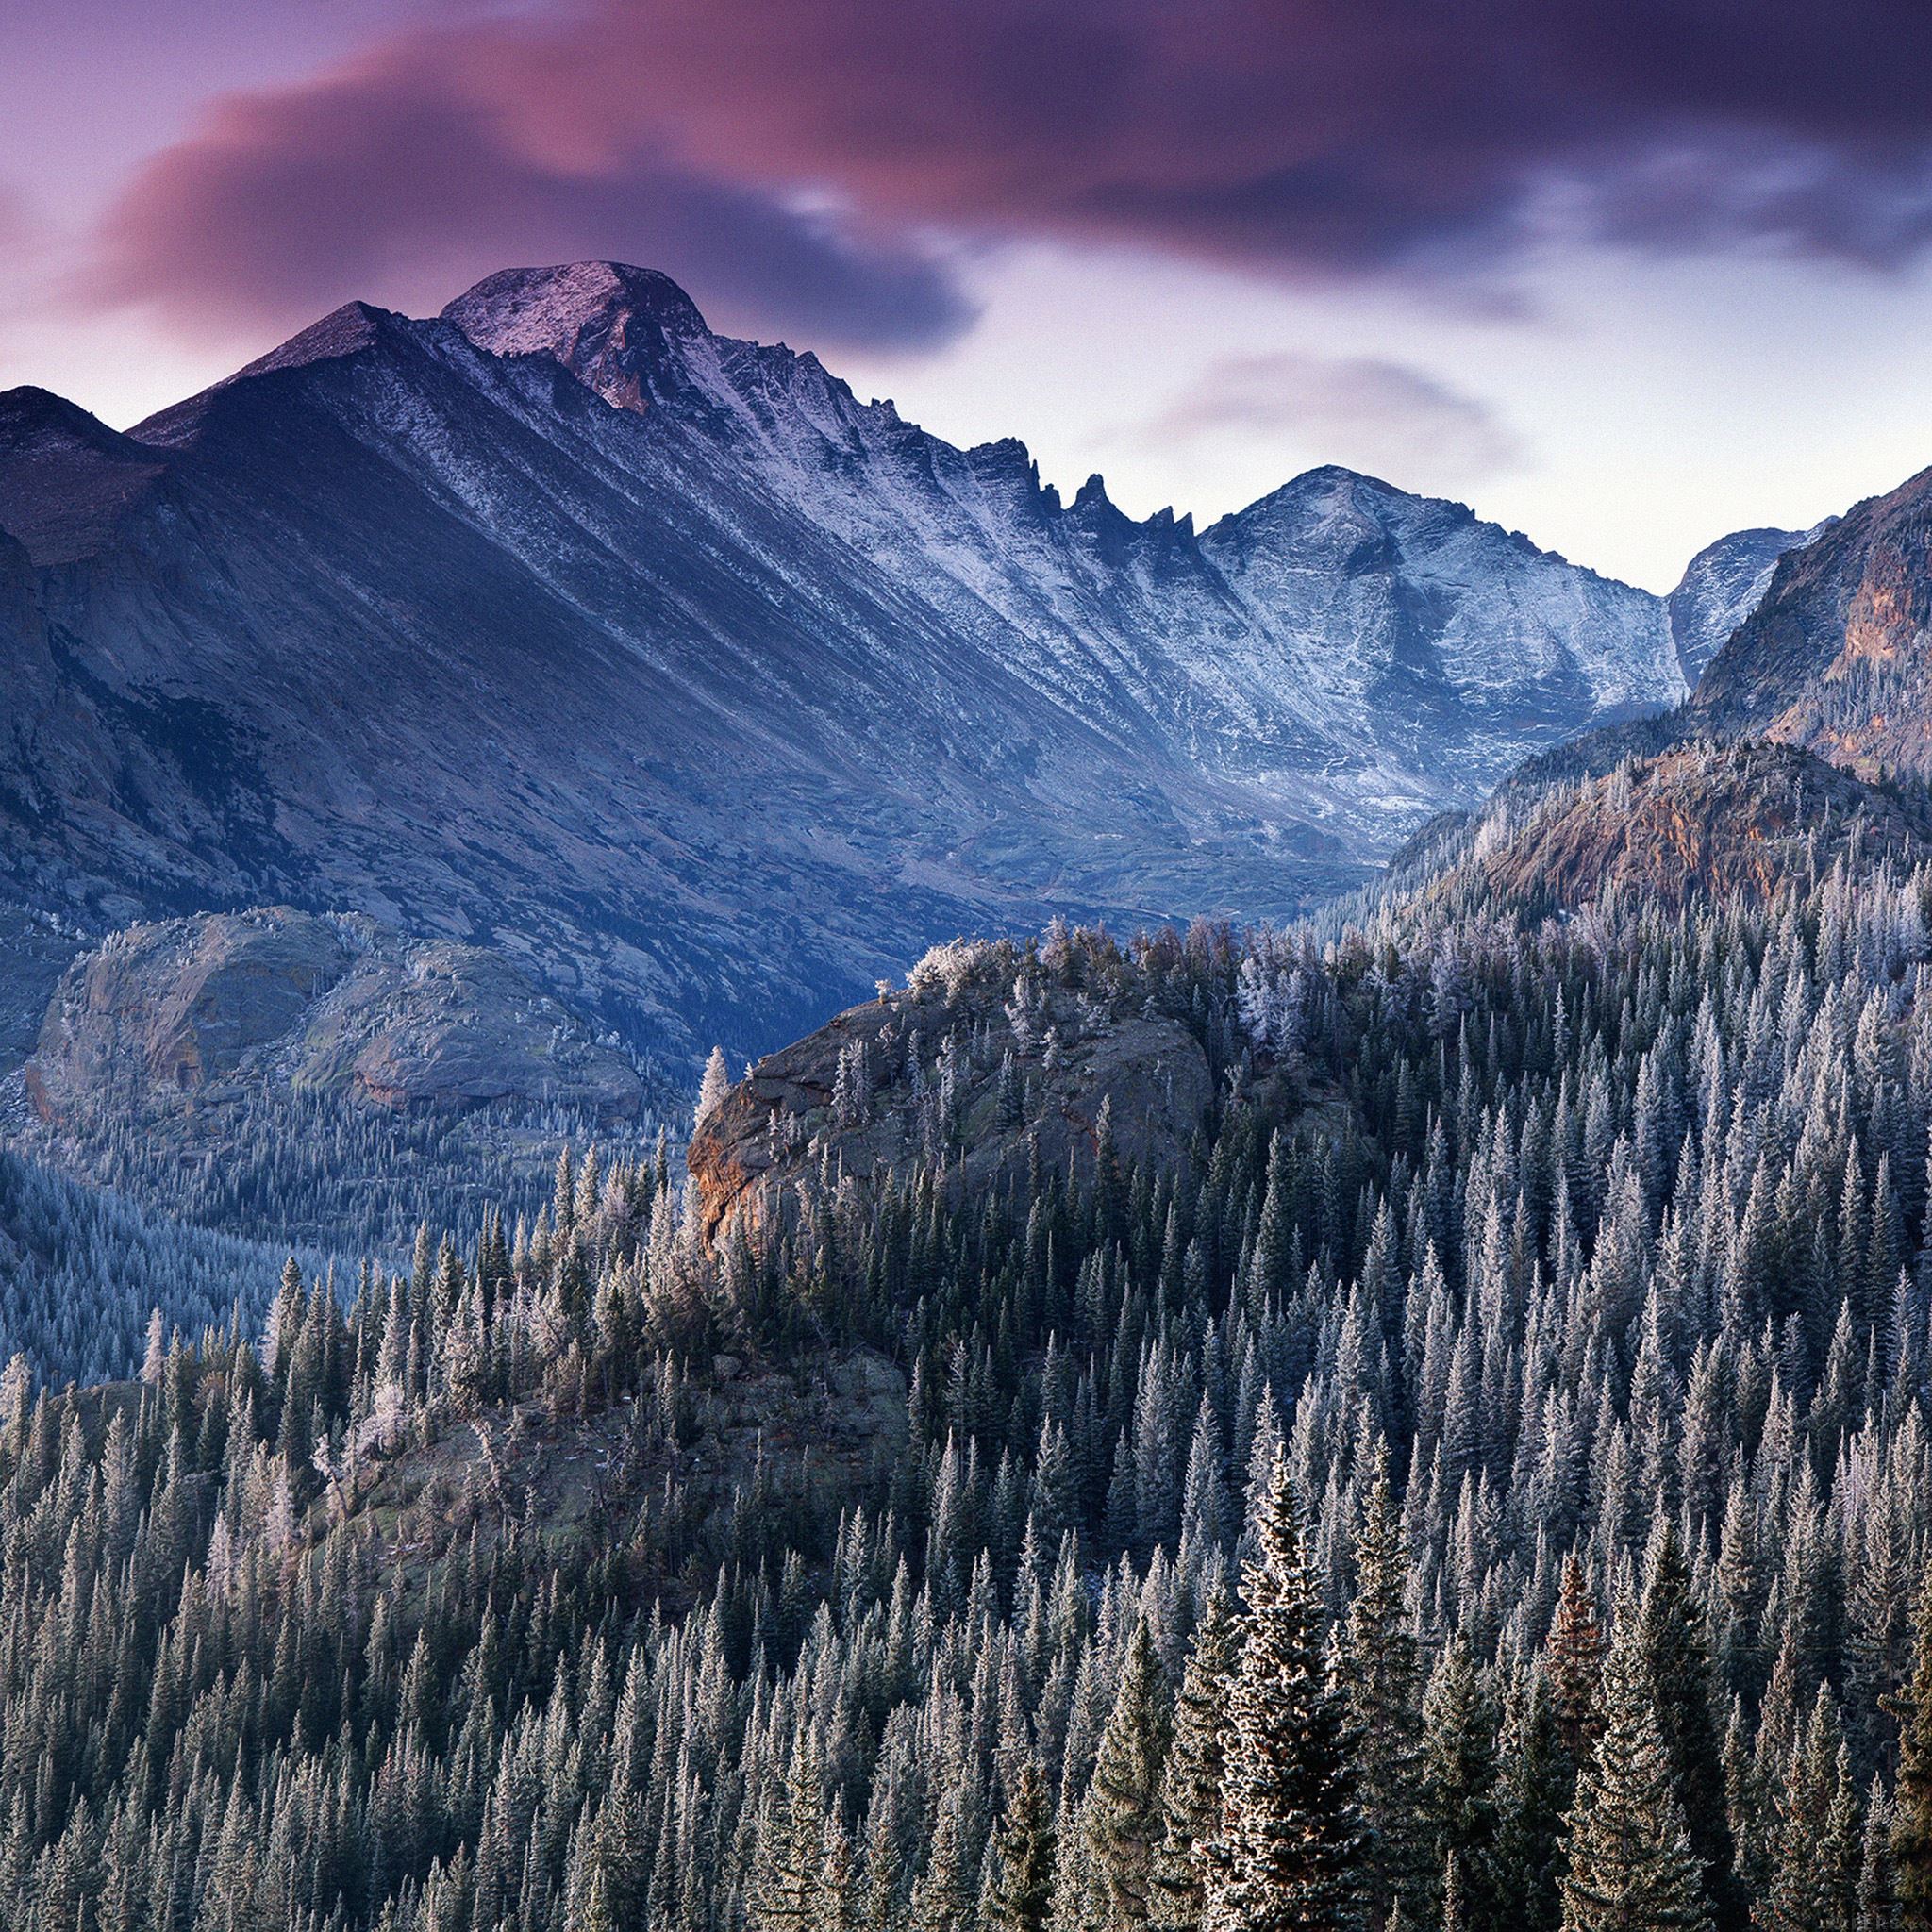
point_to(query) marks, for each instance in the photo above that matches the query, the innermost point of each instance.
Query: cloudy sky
(1622, 277)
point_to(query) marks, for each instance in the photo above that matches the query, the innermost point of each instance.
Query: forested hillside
(1473, 1475)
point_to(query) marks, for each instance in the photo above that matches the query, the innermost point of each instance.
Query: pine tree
(1122, 1816)
(1678, 1666)
(1191, 1784)
(715, 1085)
(1536, 1787)
(1458, 1783)
(1380, 1683)
(1877, 1879)
(838, 1905)
(785, 1888)
(1911, 1817)
(1576, 1666)
(941, 1900)
(1631, 1866)
(1291, 1840)
(1021, 1891)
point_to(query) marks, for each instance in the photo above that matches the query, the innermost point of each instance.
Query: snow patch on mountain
(1722, 586)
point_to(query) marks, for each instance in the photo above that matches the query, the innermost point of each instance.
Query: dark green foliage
(1121, 1818)
(1458, 1783)
(1678, 1668)
(1189, 1864)
(1911, 1817)
(1023, 1857)
(1631, 1865)
(1537, 1786)
(1380, 1682)
(467, 1598)
(1290, 1841)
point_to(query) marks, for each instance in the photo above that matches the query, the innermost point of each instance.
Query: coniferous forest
(1354, 1354)
(1477, 1481)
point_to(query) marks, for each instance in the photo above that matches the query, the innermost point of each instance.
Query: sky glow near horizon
(1621, 284)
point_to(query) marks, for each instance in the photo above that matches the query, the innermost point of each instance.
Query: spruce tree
(1191, 1784)
(1122, 1817)
(1575, 1663)
(1457, 1790)
(1022, 1891)
(1877, 1878)
(785, 1885)
(837, 1906)
(1911, 1816)
(1381, 1685)
(715, 1085)
(1631, 1865)
(1678, 1665)
(1292, 1839)
(1536, 1787)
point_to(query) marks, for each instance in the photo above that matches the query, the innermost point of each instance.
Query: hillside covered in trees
(1452, 1454)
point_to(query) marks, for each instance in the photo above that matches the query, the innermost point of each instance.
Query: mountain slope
(1697, 820)
(561, 625)
(1835, 657)
(1720, 587)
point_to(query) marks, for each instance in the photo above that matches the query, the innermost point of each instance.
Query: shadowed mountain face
(562, 625)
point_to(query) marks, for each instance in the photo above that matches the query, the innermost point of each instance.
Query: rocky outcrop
(183, 1013)
(1697, 820)
(985, 1061)
(811, 1436)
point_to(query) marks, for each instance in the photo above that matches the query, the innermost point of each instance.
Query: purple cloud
(389, 183)
(1317, 138)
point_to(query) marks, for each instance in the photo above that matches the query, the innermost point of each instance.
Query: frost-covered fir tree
(1186, 1864)
(1631, 1864)
(1381, 1685)
(1291, 1842)
(1911, 1818)
(1020, 1893)
(1122, 1817)
(1678, 1665)
(715, 1084)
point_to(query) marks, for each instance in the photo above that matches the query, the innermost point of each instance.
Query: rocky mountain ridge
(1722, 586)
(1697, 820)
(563, 626)
(1834, 657)
(984, 1061)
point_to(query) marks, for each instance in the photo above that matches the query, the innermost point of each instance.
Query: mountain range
(657, 662)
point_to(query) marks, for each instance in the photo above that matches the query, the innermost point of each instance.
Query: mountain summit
(610, 325)
(563, 625)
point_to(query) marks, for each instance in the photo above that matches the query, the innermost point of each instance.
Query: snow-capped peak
(532, 311)
(606, 322)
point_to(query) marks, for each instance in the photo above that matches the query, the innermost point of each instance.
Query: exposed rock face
(816, 1435)
(182, 1013)
(561, 615)
(1836, 656)
(968, 1070)
(1697, 820)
